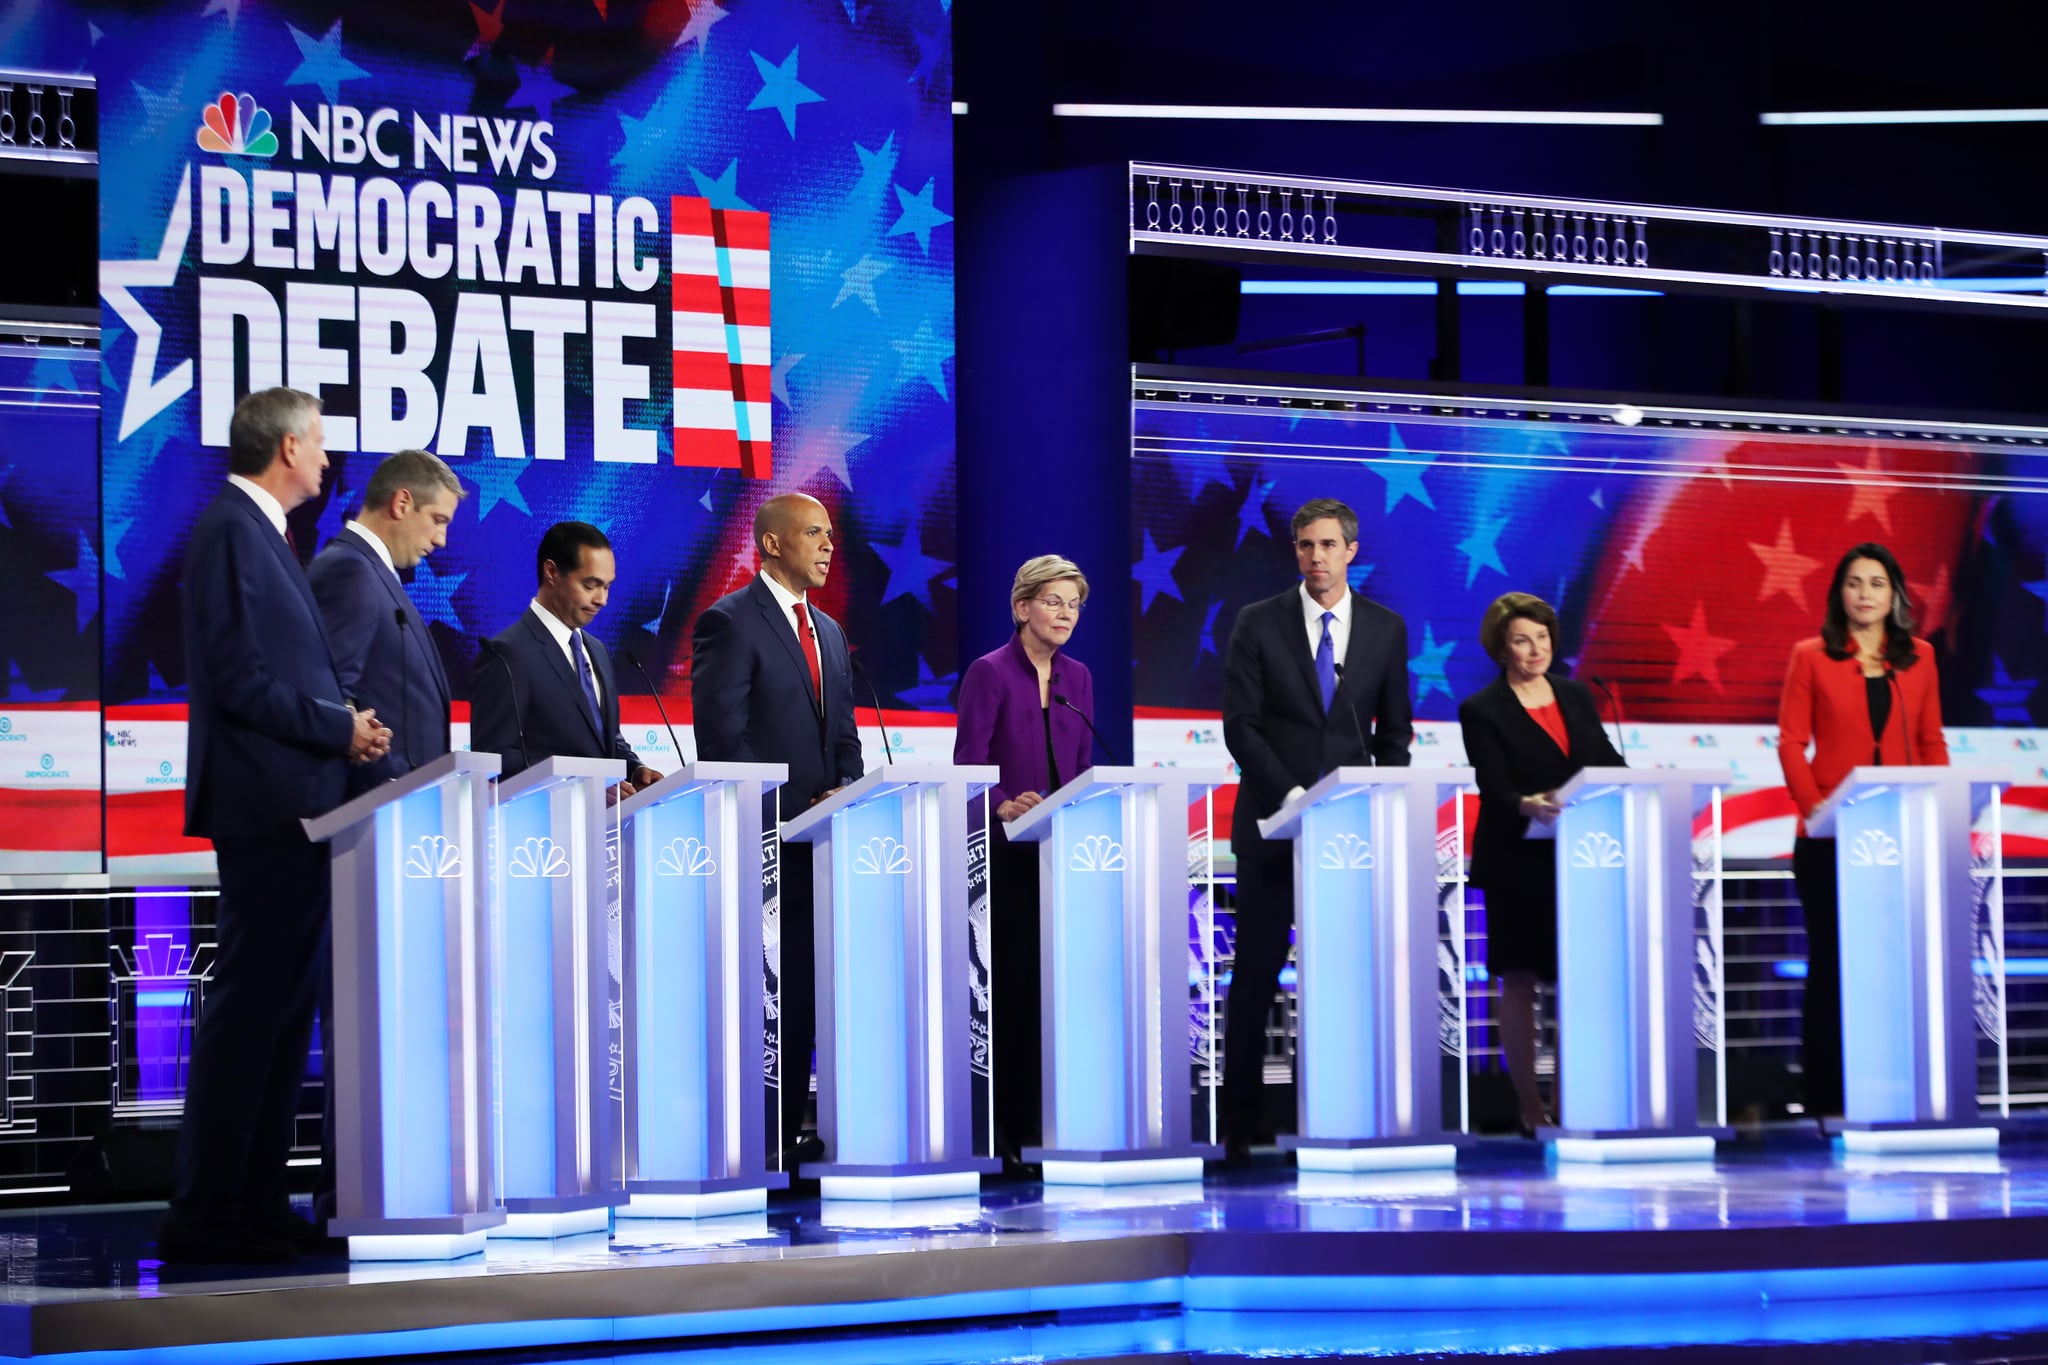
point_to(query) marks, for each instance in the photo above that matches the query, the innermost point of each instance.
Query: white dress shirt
(561, 634)
(383, 551)
(787, 600)
(1340, 629)
(272, 508)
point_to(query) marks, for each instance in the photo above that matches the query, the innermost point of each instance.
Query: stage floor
(1782, 1227)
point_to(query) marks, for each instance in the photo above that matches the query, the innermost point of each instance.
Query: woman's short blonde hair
(1036, 573)
(1508, 608)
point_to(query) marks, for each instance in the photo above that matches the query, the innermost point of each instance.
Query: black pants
(797, 991)
(1265, 916)
(1820, 1022)
(249, 1051)
(1013, 924)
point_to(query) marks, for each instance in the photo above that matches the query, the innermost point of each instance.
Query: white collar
(1314, 610)
(784, 598)
(263, 499)
(553, 623)
(376, 542)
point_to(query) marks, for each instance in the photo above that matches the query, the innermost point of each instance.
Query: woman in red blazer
(1864, 691)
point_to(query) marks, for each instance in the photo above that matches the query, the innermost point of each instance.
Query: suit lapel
(1292, 624)
(289, 562)
(558, 660)
(401, 599)
(1357, 652)
(785, 631)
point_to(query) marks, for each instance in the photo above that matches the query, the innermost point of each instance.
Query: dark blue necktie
(1326, 662)
(584, 676)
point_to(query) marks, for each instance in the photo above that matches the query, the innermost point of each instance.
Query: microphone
(404, 684)
(634, 660)
(1364, 752)
(888, 755)
(487, 646)
(1899, 696)
(1061, 700)
(1620, 746)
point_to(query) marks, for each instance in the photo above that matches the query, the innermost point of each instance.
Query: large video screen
(1685, 554)
(638, 264)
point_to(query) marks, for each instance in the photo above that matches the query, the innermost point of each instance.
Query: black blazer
(396, 671)
(269, 731)
(539, 698)
(1513, 757)
(750, 695)
(1273, 717)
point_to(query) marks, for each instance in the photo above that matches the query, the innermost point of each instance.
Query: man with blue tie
(544, 685)
(1313, 679)
(270, 738)
(386, 658)
(770, 682)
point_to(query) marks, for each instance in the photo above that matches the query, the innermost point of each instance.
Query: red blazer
(1825, 702)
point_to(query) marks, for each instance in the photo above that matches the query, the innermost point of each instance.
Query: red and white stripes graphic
(719, 272)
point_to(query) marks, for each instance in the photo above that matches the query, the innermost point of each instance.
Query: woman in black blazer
(1526, 734)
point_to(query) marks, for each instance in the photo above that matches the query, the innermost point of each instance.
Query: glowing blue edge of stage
(1613, 1150)
(929, 1185)
(415, 1246)
(548, 1226)
(1353, 1160)
(1405, 1294)
(1901, 1141)
(1167, 1170)
(713, 1204)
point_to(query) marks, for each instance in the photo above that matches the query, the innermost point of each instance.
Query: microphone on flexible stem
(1620, 745)
(634, 660)
(1905, 722)
(1061, 700)
(487, 646)
(882, 724)
(1364, 752)
(405, 684)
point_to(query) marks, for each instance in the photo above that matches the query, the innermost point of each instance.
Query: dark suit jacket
(535, 694)
(269, 728)
(397, 672)
(750, 694)
(1273, 717)
(1513, 757)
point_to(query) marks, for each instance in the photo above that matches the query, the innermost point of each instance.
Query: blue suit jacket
(269, 730)
(750, 694)
(541, 700)
(395, 671)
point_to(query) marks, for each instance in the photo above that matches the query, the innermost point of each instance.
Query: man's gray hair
(260, 424)
(417, 472)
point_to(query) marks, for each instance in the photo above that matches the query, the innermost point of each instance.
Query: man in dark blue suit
(545, 686)
(270, 740)
(385, 657)
(770, 683)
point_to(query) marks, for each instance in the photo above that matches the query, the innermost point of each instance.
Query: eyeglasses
(1059, 604)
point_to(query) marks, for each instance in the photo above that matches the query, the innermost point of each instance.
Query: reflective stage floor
(1787, 1240)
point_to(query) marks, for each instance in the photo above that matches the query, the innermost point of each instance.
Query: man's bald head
(793, 532)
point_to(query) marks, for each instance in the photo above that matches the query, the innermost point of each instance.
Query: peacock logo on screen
(238, 126)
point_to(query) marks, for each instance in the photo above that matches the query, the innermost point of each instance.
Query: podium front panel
(532, 863)
(1338, 857)
(1091, 1031)
(875, 854)
(1598, 1008)
(1879, 842)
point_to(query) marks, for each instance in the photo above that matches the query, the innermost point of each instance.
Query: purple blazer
(1002, 723)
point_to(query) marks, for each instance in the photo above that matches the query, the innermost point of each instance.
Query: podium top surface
(1590, 782)
(1036, 823)
(557, 769)
(883, 781)
(693, 776)
(321, 828)
(1285, 823)
(1869, 780)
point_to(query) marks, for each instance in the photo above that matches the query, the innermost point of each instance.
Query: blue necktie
(1326, 662)
(583, 675)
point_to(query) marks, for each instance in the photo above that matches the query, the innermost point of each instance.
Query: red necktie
(809, 639)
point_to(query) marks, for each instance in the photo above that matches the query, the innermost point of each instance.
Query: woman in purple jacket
(1022, 709)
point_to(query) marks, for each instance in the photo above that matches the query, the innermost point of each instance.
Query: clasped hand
(370, 741)
(1542, 806)
(1017, 805)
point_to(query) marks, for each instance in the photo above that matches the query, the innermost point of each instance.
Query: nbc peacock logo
(237, 125)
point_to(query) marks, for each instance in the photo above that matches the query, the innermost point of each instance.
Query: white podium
(410, 1040)
(691, 970)
(551, 995)
(1627, 1052)
(1909, 1041)
(1369, 1085)
(891, 879)
(1113, 858)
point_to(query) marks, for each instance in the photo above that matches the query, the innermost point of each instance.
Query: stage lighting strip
(1567, 118)
(1850, 118)
(1245, 215)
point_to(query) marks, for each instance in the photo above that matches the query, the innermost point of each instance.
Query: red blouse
(1552, 721)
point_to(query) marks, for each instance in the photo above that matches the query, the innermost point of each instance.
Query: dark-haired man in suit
(1306, 674)
(550, 689)
(770, 683)
(270, 738)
